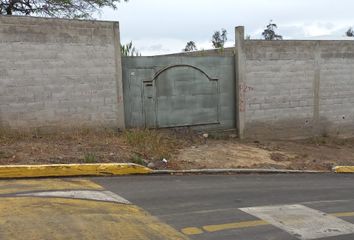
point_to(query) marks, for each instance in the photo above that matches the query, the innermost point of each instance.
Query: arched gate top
(180, 65)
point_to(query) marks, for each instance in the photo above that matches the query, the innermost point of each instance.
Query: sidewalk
(73, 209)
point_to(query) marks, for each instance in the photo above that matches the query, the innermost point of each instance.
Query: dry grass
(155, 144)
(183, 148)
(85, 145)
(77, 145)
(325, 140)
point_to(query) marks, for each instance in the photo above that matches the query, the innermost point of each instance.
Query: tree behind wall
(129, 50)
(350, 32)
(219, 38)
(55, 8)
(190, 46)
(269, 32)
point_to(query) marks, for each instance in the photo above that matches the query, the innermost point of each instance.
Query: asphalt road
(209, 207)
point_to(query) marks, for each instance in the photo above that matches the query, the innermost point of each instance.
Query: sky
(165, 26)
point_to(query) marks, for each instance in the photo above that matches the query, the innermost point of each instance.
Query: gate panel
(170, 91)
(135, 110)
(185, 96)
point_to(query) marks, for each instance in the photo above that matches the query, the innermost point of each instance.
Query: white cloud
(160, 26)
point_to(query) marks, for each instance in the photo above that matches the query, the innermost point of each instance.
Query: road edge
(66, 170)
(233, 170)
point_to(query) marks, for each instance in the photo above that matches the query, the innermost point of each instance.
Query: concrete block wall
(295, 89)
(59, 73)
(336, 94)
(279, 88)
(67, 73)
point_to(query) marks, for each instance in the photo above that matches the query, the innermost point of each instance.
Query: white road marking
(327, 201)
(81, 194)
(302, 222)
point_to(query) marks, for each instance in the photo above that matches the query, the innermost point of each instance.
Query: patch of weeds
(4, 154)
(325, 134)
(341, 141)
(317, 140)
(10, 136)
(138, 160)
(152, 144)
(90, 158)
(216, 135)
(278, 157)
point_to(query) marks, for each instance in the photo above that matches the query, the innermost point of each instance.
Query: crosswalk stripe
(242, 224)
(301, 221)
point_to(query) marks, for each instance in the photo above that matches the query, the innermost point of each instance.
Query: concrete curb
(232, 170)
(64, 170)
(343, 169)
(117, 169)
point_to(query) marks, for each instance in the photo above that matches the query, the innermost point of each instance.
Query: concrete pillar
(119, 77)
(240, 67)
(316, 90)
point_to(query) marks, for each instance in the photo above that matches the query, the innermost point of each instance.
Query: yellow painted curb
(344, 169)
(58, 170)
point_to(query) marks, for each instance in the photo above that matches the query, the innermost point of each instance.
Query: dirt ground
(181, 148)
(312, 154)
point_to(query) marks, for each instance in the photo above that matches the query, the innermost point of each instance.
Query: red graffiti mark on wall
(242, 106)
(120, 99)
(242, 96)
(245, 88)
